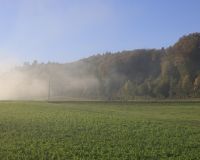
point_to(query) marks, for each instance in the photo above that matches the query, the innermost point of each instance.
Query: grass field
(97, 130)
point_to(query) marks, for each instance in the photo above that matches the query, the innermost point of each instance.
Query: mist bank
(172, 72)
(39, 81)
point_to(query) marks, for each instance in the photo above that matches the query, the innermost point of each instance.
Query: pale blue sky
(67, 30)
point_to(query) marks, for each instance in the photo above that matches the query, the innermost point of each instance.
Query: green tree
(197, 86)
(186, 85)
(128, 90)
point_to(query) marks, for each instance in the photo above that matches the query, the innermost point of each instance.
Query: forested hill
(172, 72)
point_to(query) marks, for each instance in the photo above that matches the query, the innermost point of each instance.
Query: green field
(99, 130)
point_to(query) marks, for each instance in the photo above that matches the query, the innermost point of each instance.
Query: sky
(68, 30)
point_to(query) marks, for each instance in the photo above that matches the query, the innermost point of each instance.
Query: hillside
(173, 72)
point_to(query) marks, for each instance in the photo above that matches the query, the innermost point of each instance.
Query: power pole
(49, 90)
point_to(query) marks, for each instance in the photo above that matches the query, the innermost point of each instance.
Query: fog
(47, 81)
(16, 85)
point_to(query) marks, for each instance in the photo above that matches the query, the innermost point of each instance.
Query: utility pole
(49, 90)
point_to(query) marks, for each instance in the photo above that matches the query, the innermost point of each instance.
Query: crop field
(99, 130)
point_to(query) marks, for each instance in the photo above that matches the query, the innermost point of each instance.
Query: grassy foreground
(97, 130)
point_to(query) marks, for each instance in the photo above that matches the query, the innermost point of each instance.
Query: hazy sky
(67, 30)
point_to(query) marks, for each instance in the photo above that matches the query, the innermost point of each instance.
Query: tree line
(172, 72)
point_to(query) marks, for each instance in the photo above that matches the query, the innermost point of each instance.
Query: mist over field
(36, 81)
(18, 85)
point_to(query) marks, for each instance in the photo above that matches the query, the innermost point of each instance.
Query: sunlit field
(98, 130)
